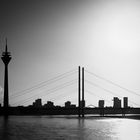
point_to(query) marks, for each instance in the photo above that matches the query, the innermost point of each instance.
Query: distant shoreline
(95, 116)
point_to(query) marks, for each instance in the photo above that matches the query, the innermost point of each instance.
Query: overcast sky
(50, 37)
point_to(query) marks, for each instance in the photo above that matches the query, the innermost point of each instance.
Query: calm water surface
(68, 128)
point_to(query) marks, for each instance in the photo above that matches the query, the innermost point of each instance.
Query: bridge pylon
(81, 103)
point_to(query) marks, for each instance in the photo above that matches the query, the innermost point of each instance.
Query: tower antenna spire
(6, 49)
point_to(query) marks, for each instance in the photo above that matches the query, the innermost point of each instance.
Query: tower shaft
(6, 97)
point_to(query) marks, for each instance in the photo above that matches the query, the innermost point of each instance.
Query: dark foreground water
(68, 128)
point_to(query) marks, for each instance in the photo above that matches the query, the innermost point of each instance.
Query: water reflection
(82, 130)
(68, 128)
(122, 129)
(4, 128)
(128, 129)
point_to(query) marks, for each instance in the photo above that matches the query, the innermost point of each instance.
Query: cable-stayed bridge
(69, 86)
(66, 84)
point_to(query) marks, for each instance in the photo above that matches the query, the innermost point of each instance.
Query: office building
(125, 102)
(37, 103)
(49, 104)
(116, 102)
(101, 103)
(67, 104)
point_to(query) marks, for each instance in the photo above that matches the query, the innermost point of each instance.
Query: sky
(51, 37)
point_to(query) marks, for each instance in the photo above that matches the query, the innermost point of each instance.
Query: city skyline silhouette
(47, 39)
(37, 108)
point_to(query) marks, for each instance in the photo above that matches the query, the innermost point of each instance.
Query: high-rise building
(117, 102)
(125, 102)
(49, 104)
(67, 104)
(101, 103)
(37, 103)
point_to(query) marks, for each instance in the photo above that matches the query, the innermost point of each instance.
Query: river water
(68, 128)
